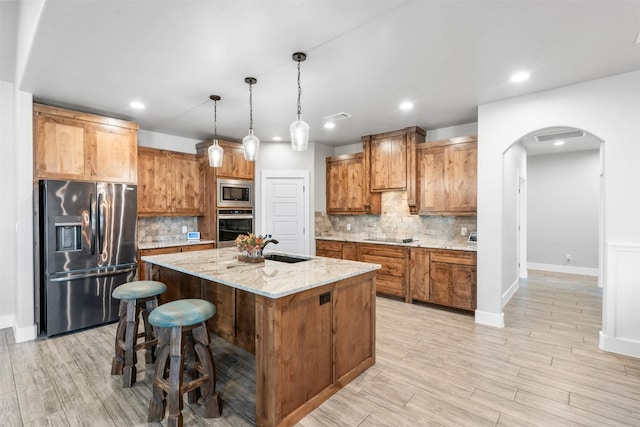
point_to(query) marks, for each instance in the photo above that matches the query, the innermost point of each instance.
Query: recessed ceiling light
(329, 125)
(406, 106)
(520, 77)
(277, 138)
(558, 143)
(137, 105)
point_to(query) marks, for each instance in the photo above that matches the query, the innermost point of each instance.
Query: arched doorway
(552, 180)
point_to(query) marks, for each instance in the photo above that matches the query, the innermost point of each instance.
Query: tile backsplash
(163, 229)
(395, 222)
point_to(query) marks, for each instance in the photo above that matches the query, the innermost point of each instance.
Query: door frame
(265, 176)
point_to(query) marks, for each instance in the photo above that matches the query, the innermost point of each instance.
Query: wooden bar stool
(136, 298)
(183, 345)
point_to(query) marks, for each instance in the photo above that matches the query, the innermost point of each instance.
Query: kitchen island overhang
(311, 324)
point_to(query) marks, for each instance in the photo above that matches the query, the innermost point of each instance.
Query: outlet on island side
(463, 231)
(348, 227)
(184, 228)
(568, 259)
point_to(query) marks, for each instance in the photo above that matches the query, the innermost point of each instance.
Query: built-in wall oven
(231, 223)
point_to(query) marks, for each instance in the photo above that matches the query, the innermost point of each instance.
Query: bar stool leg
(118, 360)
(157, 403)
(151, 351)
(130, 358)
(174, 397)
(211, 398)
(190, 370)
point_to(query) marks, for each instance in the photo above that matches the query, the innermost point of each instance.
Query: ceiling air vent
(337, 116)
(559, 135)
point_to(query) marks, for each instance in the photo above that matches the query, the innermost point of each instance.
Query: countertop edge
(416, 244)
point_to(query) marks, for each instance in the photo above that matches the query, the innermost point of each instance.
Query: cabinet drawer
(329, 254)
(383, 250)
(200, 247)
(328, 245)
(390, 267)
(160, 251)
(454, 257)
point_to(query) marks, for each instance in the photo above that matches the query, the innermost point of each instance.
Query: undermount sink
(285, 258)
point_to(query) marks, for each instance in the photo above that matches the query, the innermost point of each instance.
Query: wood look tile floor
(434, 367)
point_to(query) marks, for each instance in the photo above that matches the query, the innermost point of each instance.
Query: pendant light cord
(250, 107)
(215, 119)
(299, 92)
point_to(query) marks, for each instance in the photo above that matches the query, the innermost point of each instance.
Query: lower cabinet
(142, 274)
(392, 278)
(453, 279)
(437, 276)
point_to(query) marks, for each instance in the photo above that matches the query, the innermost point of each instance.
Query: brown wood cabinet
(347, 186)
(169, 183)
(337, 249)
(170, 250)
(419, 276)
(392, 278)
(233, 166)
(453, 279)
(233, 163)
(80, 146)
(390, 159)
(447, 176)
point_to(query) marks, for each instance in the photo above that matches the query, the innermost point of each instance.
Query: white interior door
(285, 212)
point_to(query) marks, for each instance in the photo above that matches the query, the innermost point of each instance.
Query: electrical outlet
(568, 259)
(348, 227)
(184, 228)
(463, 231)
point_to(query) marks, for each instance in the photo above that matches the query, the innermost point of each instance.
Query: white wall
(563, 199)
(452, 131)
(514, 166)
(608, 108)
(7, 220)
(167, 142)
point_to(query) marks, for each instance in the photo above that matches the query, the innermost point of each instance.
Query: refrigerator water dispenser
(68, 237)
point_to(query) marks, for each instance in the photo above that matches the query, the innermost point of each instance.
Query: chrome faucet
(266, 242)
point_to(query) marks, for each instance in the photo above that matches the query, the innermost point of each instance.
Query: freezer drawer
(78, 300)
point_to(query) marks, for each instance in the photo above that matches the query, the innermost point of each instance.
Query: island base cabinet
(309, 345)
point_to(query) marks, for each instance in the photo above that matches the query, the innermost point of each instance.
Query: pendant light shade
(215, 151)
(250, 143)
(299, 129)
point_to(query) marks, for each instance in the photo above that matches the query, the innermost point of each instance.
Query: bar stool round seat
(184, 362)
(136, 298)
(183, 312)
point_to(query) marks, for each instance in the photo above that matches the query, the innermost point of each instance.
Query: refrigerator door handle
(100, 223)
(92, 222)
(77, 276)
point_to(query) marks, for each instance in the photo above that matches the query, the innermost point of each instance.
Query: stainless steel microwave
(233, 193)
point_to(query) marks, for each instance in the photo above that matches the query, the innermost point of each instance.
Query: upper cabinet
(233, 163)
(347, 190)
(447, 176)
(169, 183)
(81, 146)
(389, 156)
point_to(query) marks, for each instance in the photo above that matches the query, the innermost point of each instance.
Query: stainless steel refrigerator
(87, 249)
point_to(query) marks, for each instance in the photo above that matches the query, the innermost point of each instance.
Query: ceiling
(364, 58)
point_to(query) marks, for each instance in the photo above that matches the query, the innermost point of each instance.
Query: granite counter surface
(272, 279)
(172, 243)
(429, 244)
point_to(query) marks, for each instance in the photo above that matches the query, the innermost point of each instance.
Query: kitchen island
(311, 324)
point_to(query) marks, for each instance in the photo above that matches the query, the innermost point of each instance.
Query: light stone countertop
(272, 279)
(172, 243)
(430, 244)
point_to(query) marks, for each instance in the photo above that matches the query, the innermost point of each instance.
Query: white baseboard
(6, 321)
(489, 319)
(510, 292)
(568, 269)
(26, 333)
(616, 345)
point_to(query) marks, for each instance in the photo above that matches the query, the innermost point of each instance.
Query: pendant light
(299, 129)
(250, 143)
(215, 151)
